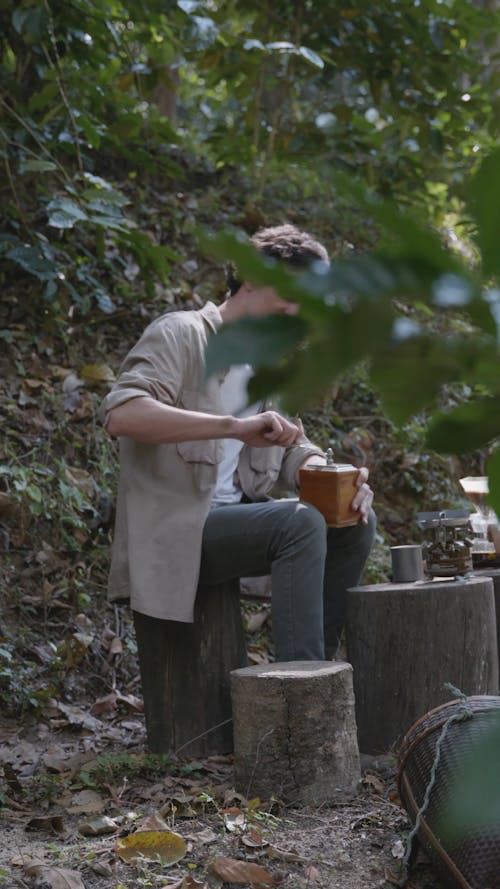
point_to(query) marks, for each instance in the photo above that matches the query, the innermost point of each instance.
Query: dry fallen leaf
(398, 849)
(234, 819)
(7, 502)
(153, 822)
(391, 877)
(188, 882)
(80, 479)
(312, 874)
(75, 716)
(86, 802)
(50, 877)
(180, 806)
(50, 823)
(71, 382)
(231, 870)
(104, 705)
(256, 621)
(254, 839)
(97, 827)
(374, 782)
(163, 844)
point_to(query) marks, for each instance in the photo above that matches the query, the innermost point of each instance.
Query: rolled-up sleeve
(293, 459)
(154, 368)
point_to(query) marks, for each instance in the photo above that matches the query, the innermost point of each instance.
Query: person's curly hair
(286, 243)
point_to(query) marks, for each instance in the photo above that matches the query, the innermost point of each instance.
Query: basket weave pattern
(474, 861)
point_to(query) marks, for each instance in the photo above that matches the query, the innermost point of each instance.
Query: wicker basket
(473, 861)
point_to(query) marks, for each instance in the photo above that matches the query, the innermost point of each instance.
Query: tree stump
(405, 641)
(494, 573)
(295, 732)
(185, 673)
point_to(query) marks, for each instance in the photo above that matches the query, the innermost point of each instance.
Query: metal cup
(407, 563)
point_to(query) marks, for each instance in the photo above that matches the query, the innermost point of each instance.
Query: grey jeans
(311, 566)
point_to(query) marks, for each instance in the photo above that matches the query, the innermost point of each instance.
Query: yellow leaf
(97, 373)
(163, 844)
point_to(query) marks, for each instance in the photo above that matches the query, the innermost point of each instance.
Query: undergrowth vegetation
(126, 130)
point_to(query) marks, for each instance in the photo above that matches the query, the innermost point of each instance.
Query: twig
(57, 70)
(34, 136)
(203, 734)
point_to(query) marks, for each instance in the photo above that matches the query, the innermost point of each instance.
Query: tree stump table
(494, 573)
(405, 641)
(185, 672)
(295, 732)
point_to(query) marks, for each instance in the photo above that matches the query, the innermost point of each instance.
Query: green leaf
(63, 219)
(312, 57)
(33, 261)
(37, 166)
(484, 202)
(104, 301)
(409, 375)
(493, 473)
(43, 97)
(405, 238)
(64, 213)
(255, 341)
(31, 21)
(465, 428)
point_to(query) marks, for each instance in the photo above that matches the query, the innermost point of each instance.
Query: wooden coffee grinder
(331, 490)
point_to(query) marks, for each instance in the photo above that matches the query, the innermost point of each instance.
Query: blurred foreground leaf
(484, 202)
(493, 472)
(474, 801)
(255, 341)
(466, 427)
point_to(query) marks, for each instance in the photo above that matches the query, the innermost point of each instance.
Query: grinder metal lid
(330, 465)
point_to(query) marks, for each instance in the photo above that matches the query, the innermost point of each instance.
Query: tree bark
(185, 673)
(405, 641)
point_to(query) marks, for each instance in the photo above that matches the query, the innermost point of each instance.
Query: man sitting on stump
(197, 467)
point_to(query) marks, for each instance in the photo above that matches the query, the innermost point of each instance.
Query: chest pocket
(201, 451)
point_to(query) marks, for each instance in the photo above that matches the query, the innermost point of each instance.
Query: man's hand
(363, 499)
(266, 429)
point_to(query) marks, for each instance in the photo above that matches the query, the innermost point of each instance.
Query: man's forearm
(149, 421)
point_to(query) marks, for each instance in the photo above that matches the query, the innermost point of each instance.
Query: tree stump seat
(406, 641)
(185, 673)
(295, 732)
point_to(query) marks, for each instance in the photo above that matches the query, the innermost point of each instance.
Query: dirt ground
(75, 785)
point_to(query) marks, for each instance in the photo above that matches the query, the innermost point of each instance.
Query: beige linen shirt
(165, 490)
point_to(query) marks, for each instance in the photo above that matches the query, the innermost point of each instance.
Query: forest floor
(75, 775)
(77, 785)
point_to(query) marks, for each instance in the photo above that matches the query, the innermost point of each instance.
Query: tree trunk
(405, 641)
(164, 93)
(185, 673)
